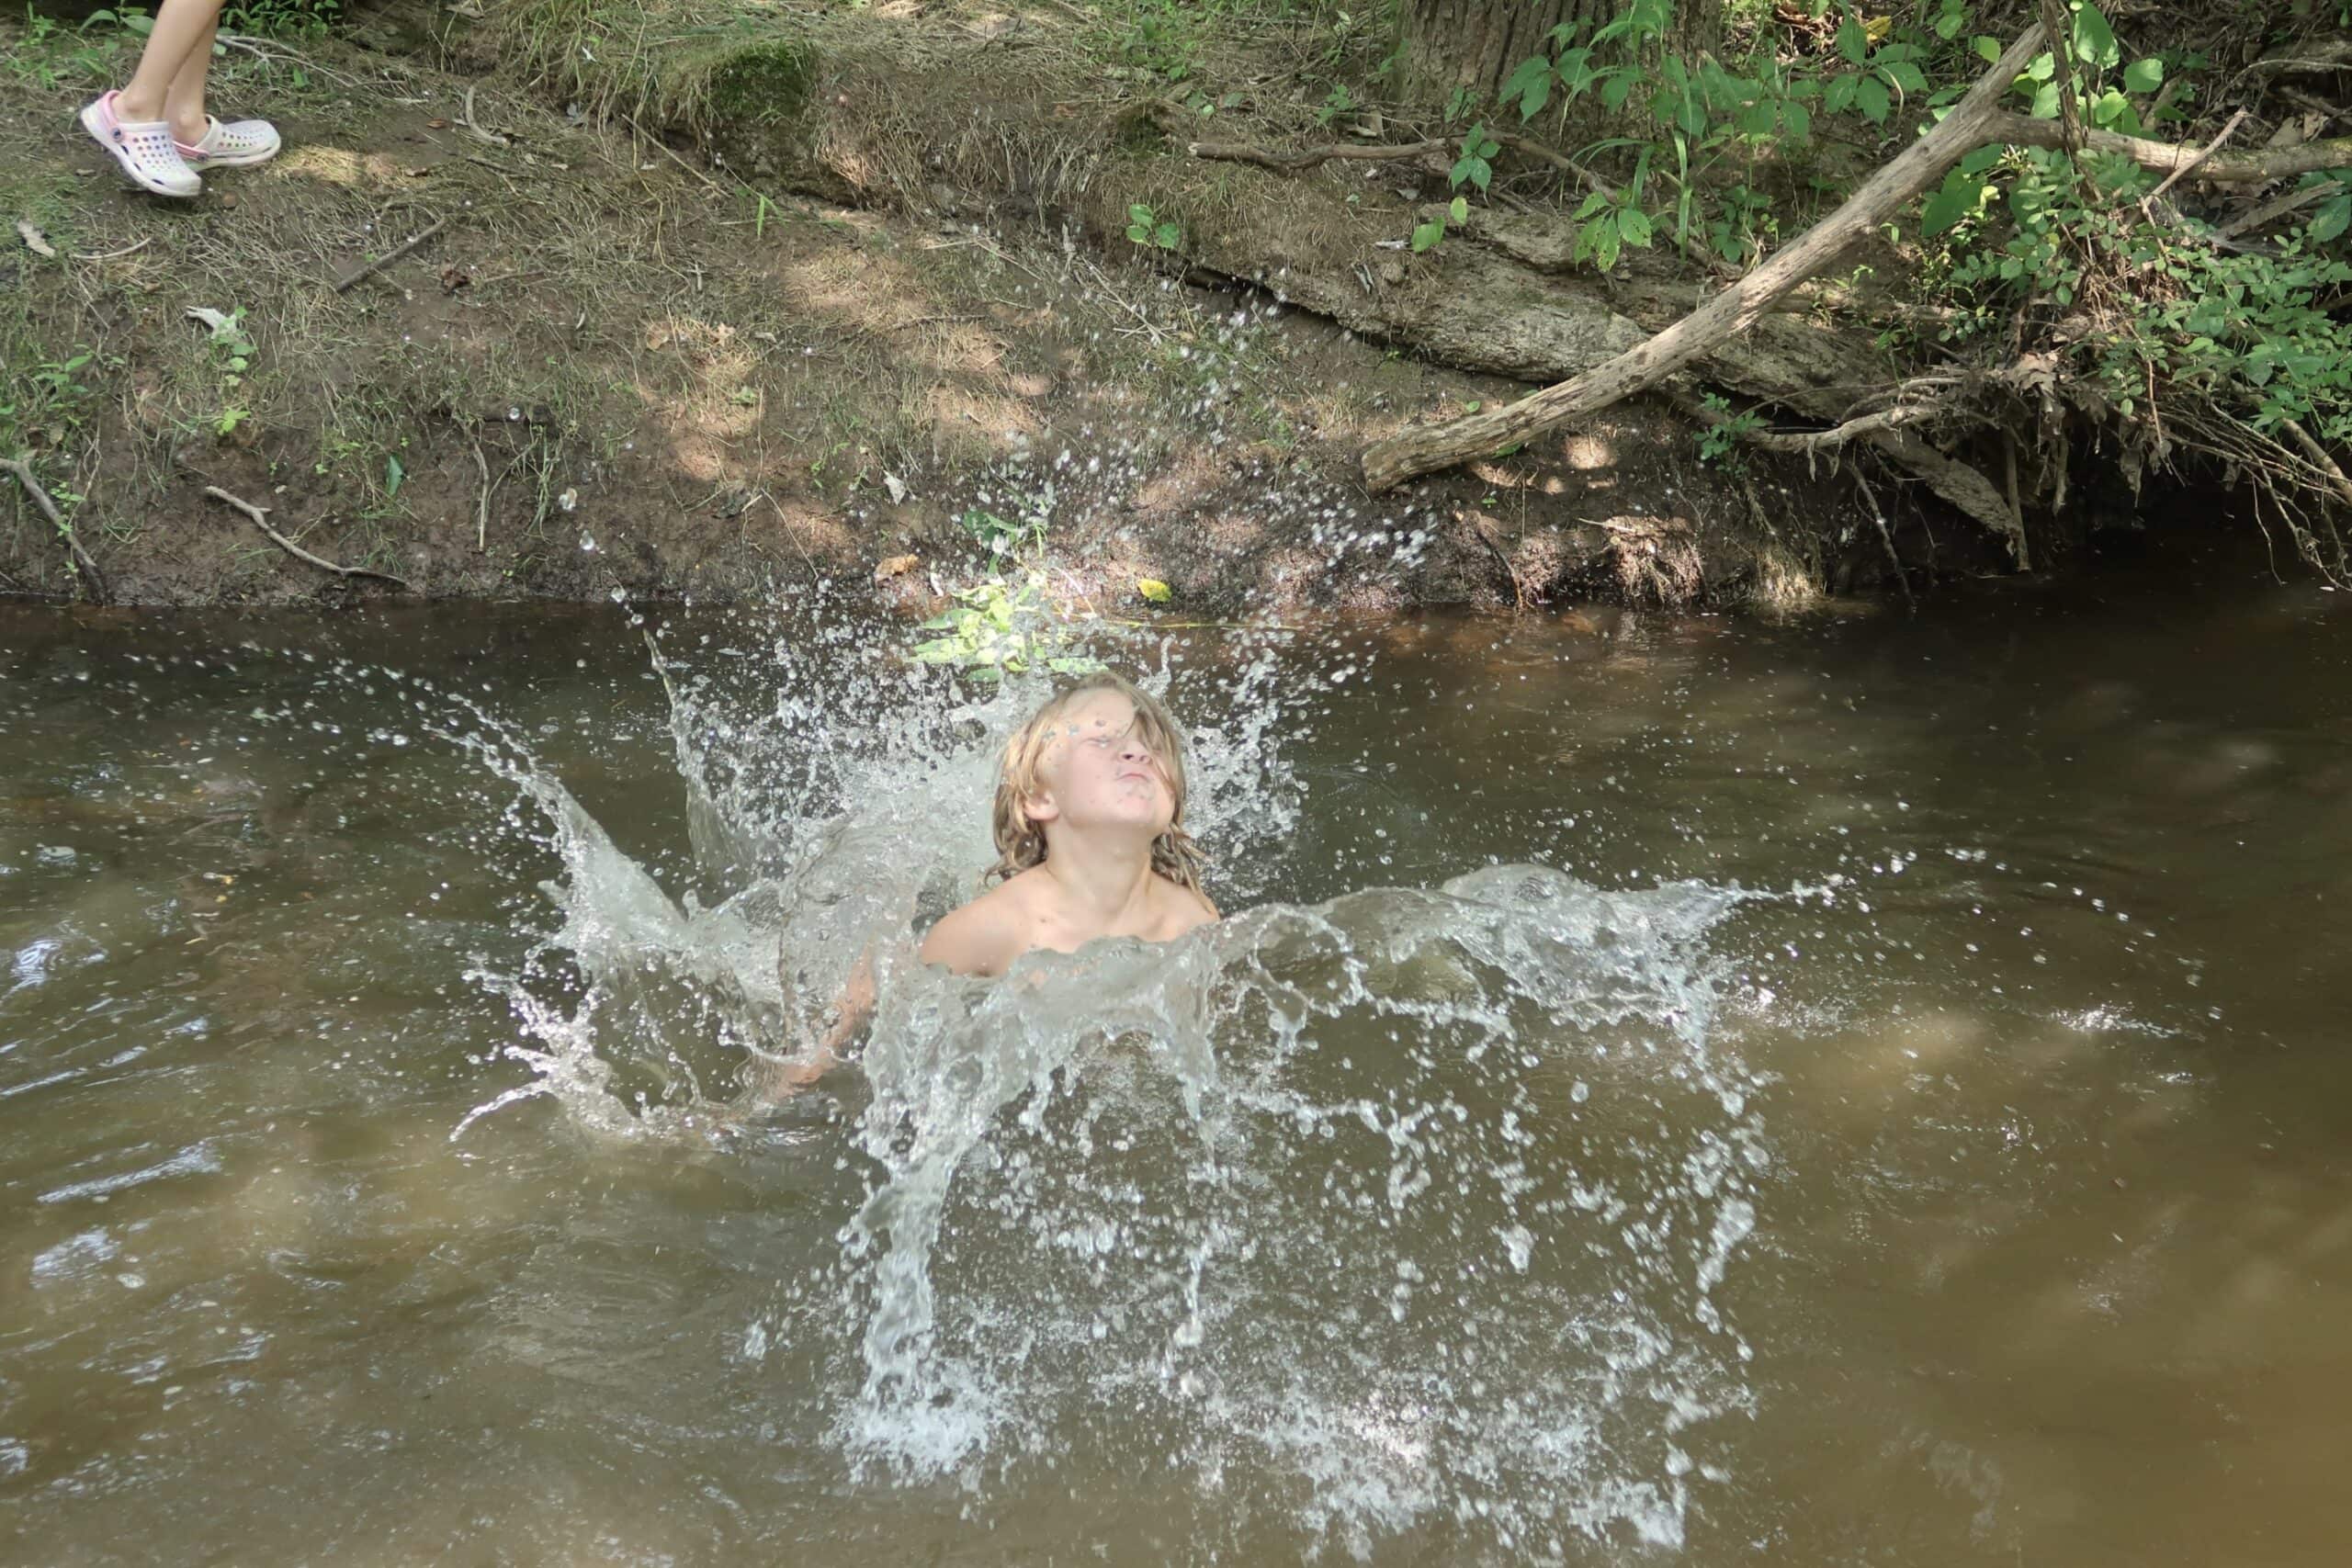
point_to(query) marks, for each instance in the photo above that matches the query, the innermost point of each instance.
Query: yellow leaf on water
(1154, 590)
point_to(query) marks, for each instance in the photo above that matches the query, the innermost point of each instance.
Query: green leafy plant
(232, 344)
(52, 56)
(1474, 166)
(1161, 38)
(999, 628)
(1719, 442)
(295, 19)
(1425, 235)
(1004, 537)
(1147, 228)
(49, 402)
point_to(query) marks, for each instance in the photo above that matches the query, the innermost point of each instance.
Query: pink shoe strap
(113, 118)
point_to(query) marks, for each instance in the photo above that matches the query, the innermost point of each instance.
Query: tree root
(1811, 442)
(2319, 455)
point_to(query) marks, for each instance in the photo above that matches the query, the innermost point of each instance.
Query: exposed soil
(619, 369)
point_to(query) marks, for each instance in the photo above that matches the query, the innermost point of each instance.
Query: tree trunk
(1477, 44)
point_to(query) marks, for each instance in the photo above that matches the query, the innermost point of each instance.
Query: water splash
(1404, 1210)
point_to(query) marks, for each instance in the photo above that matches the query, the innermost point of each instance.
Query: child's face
(1098, 772)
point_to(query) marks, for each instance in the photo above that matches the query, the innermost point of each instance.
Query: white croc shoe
(232, 146)
(143, 148)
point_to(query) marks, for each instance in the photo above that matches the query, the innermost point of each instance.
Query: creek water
(1855, 1089)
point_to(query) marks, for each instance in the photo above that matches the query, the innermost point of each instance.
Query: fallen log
(1976, 120)
(2168, 157)
(1733, 311)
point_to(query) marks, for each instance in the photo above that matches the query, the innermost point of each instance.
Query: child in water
(1090, 835)
(1090, 842)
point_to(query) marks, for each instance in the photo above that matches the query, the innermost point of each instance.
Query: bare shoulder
(986, 935)
(1187, 909)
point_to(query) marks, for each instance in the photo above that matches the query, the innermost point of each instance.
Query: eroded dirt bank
(615, 366)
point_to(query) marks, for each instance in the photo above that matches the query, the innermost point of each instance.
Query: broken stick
(343, 284)
(260, 516)
(22, 468)
(1306, 158)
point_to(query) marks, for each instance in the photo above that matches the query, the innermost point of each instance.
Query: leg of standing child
(184, 94)
(156, 127)
(181, 41)
(204, 143)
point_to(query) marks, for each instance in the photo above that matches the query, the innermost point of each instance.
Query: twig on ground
(260, 517)
(2313, 57)
(2294, 200)
(344, 284)
(113, 255)
(473, 125)
(482, 508)
(1306, 158)
(670, 153)
(785, 518)
(2147, 202)
(22, 468)
(1810, 442)
(1151, 328)
(2312, 103)
(269, 53)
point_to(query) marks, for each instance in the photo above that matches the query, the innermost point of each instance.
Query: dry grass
(673, 357)
(596, 321)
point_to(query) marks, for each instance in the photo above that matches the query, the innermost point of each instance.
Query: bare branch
(2147, 202)
(260, 516)
(343, 284)
(22, 468)
(2163, 157)
(1309, 157)
(1809, 442)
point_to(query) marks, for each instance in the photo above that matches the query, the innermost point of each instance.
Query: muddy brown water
(2052, 1262)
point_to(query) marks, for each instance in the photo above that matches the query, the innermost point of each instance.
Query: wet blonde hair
(1020, 842)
